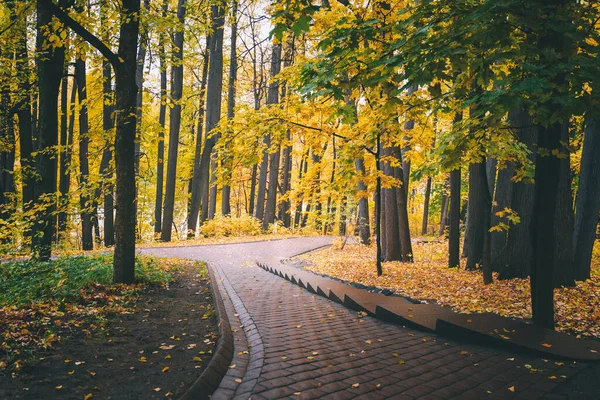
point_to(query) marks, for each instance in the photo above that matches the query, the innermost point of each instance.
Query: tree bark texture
(587, 205)
(85, 207)
(162, 113)
(174, 125)
(454, 233)
(50, 68)
(126, 93)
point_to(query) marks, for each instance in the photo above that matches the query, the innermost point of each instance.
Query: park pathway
(292, 343)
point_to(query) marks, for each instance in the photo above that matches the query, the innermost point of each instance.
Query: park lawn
(428, 278)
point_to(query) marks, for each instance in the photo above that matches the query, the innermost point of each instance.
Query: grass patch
(61, 279)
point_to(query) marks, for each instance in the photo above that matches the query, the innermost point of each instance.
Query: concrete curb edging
(487, 329)
(211, 377)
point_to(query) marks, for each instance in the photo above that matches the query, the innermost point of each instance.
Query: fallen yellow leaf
(165, 369)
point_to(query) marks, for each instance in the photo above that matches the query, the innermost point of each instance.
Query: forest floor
(428, 278)
(142, 341)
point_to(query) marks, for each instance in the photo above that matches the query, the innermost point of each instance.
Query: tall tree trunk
(514, 259)
(106, 171)
(363, 204)
(408, 126)
(24, 109)
(126, 93)
(491, 165)
(160, 158)
(174, 124)
(195, 181)
(274, 156)
(391, 243)
(87, 240)
(587, 204)
(402, 205)
(445, 205)
(285, 205)
(50, 68)
(252, 189)
(227, 158)
(478, 196)
(139, 81)
(213, 108)
(426, 206)
(502, 200)
(564, 218)
(454, 237)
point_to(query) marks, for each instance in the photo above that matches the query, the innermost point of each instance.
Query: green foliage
(245, 225)
(25, 282)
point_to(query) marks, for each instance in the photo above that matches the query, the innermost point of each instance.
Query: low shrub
(245, 225)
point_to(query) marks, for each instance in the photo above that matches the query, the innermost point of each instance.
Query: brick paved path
(291, 343)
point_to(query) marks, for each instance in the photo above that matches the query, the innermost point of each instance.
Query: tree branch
(84, 33)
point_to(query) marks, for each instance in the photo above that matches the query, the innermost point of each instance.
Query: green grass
(25, 282)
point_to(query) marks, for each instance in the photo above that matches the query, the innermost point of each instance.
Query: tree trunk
(587, 204)
(126, 92)
(564, 218)
(106, 172)
(213, 111)
(408, 126)
(252, 189)
(444, 211)
(24, 110)
(490, 169)
(195, 184)
(478, 207)
(547, 170)
(174, 124)
(514, 259)
(227, 157)
(139, 81)
(454, 237)
(162, 113)
(391, 243)
(50, 69)
(363, 204)
(274, 157)
(402, 205)
(426, 206)
(502, 200)
(85, 206)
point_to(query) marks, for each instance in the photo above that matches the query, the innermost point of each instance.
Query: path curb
(211, 377)
(486, 329)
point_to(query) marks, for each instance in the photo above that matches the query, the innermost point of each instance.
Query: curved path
(291, 343)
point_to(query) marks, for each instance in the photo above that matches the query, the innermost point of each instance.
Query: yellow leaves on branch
(577, 309)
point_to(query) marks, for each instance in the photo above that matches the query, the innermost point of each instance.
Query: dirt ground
(155, 353)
